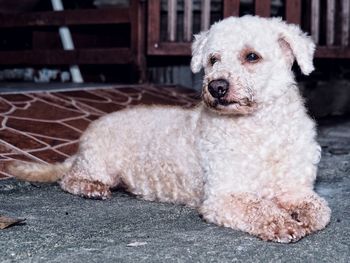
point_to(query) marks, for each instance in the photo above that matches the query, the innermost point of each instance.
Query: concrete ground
(63, 228)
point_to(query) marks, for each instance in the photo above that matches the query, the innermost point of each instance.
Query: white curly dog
(245, 158)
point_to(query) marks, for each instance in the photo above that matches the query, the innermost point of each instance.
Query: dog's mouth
(224, 102)
(238, 107)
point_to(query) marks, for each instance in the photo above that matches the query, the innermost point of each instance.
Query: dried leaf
(7, 221)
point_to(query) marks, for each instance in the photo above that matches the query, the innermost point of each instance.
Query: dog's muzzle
(224, 99)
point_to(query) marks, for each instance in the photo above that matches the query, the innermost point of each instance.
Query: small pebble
(344, 166)
(136, 244)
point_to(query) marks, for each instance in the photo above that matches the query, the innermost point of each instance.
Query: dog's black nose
(218, 88)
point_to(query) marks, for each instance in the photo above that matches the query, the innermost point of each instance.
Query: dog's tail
(37, 172)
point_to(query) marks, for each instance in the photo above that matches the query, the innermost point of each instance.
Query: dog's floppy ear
(197, 51)
(300, 43)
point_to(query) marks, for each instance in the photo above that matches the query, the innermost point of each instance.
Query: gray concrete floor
(63, 228)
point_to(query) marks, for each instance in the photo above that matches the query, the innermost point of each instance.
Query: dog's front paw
(257, 216)
(283, 231)
(311, 215)
(310, 211)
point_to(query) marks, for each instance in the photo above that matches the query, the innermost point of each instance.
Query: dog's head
(247, 61)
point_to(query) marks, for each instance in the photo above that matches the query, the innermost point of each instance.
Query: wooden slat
(138, 22)
(205, 15)
(188, 20)
(315, 20)
(330, 22)
(134, 17)
(172, 49)
(345, 12)
(172, 10)
(68, 17)
(231, 8)
(263, 8)
(66, 57)
(332, 52)
(153, 32)
(293, 11)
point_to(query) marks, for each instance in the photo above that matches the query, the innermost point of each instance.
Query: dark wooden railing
(293, 14)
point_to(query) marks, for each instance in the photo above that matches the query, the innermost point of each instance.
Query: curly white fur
(249, 163)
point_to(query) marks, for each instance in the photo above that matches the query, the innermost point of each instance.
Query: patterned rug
(46, 126)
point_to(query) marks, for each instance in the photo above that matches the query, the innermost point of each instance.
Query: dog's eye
(252, 57)
(213, 60)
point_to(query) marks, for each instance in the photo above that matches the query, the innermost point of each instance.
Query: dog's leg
(307, 208)
(85, 188)
(257, 216)
(89, 178)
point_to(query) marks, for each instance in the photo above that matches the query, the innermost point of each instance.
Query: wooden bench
(39, 55)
